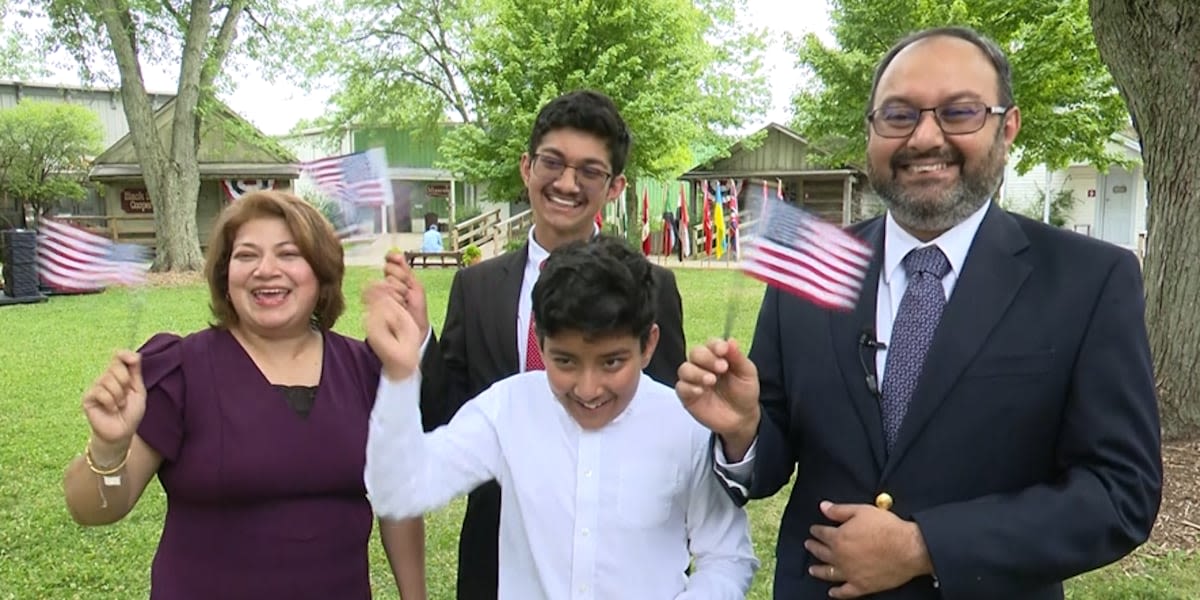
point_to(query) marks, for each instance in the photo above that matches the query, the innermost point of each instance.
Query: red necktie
(533, 354)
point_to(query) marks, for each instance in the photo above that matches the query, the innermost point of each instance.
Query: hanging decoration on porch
(236, 188)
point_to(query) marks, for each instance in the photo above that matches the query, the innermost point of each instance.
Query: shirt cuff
(425, 343)
(739, 475)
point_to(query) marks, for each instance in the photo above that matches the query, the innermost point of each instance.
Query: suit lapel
(505, 284)
(991, 277)
(846, 330)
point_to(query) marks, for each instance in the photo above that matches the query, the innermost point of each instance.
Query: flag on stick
(71, 259)
(807, 256)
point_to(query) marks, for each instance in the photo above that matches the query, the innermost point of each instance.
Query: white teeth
(927, 168)
(563, 201)
(593, 405)
(272, 292)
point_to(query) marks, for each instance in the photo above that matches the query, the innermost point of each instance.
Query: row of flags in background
(790, 248)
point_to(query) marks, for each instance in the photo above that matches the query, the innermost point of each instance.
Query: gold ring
(832, 571)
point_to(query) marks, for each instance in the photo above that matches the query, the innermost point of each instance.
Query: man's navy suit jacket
(1031, 449)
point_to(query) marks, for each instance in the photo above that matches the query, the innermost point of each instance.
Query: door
(1116, 208)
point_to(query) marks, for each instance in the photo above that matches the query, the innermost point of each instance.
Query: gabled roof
(781, 153)
(229, 146)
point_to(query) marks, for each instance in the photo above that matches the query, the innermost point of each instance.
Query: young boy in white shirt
(607, 488)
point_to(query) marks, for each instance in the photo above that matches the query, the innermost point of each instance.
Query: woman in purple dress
(256, 427)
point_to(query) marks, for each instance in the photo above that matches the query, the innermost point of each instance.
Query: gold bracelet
(87, 455)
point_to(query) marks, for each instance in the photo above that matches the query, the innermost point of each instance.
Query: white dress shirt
(955, 243)
(613, 513)
(533, 269)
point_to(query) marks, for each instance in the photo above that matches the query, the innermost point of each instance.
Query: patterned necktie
(920, 310)
(533, 353)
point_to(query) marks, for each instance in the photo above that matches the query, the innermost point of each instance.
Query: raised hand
(115, 405)
(398, 274)
(718, 385)
(392, 331)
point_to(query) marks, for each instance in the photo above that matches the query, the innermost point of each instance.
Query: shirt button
(585, 531)
(587, 473)
(583, 589)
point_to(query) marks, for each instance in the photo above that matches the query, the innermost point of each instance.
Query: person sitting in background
(605, 479)
(432, 240)
(256, 427)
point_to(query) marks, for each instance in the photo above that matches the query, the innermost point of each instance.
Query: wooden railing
(476, 230)
(516, 226)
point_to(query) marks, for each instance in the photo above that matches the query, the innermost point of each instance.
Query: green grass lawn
(50, 352)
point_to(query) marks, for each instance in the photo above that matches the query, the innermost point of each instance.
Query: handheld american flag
(353, 181)
(72, 259)
(806, 256)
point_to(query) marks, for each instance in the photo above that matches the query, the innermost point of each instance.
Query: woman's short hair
(313, 234)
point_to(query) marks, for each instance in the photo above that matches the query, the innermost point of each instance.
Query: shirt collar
(538, 254)
(954, 243)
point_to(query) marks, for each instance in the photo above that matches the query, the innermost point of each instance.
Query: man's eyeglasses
(958, 118)
(588, 177)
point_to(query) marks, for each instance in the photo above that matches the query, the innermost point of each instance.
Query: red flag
(645, 222)
(685, 228)
(808, 257)
(708, 224)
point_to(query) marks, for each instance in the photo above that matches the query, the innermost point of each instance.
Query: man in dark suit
(984, 423)
(574, 165)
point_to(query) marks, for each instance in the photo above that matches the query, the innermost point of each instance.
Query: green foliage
(472, 253)
(682, 73)
(673, 86)
(1069, 105)
(21, 55)
(45, 151)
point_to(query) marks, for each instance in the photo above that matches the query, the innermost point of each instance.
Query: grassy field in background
(49, 352)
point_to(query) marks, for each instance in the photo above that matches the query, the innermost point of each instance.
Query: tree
(1161, 87)
(682, 73)
(399, 63)
(1066, 95)
(45, 149)
(198, 35)
(20, 56)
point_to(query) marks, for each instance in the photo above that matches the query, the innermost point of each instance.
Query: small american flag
(359, 179)
(71, 259)
(806, 256)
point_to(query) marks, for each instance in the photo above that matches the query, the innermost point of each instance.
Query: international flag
(645, 222)
(707, 220)
(807, 256)
(71, 259)
(719, 224)
(685, 231)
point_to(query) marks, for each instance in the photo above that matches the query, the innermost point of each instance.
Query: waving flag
(685, 231)
(719, 222)
(645, 222)
(807, 256)
(71, 259)
(707, 220)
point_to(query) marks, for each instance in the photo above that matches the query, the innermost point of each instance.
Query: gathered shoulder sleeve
(162, 372)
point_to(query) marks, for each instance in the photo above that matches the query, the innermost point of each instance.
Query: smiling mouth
(927, 167)
(269, 295)
(594, 405)
(564, 202)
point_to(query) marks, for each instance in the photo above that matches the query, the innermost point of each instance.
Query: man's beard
(949, 207)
